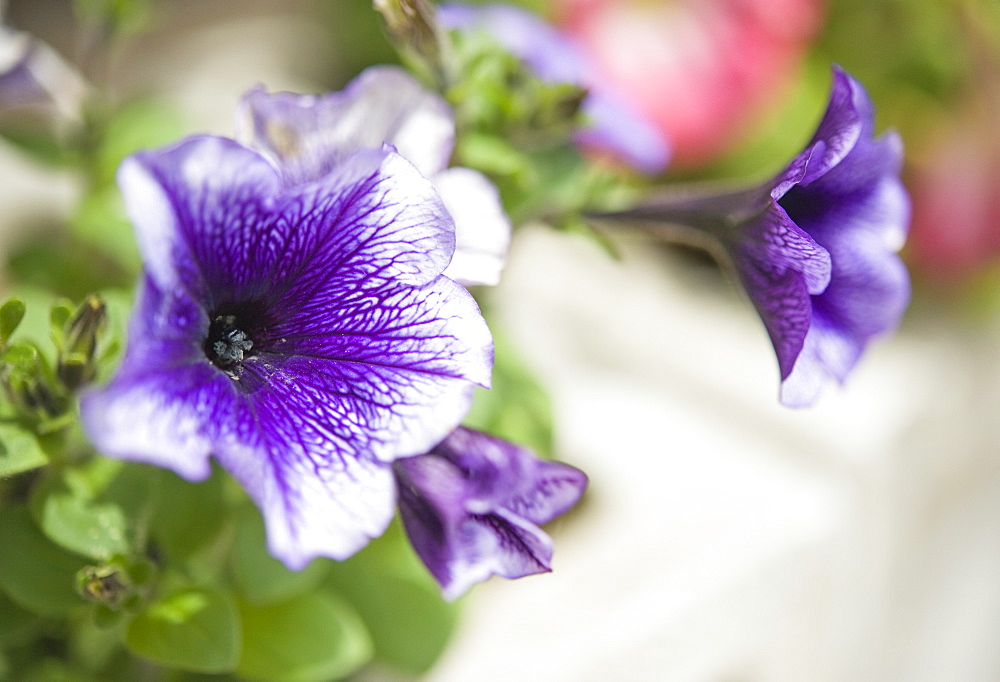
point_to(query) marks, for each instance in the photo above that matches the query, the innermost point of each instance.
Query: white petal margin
(159, 419)
(482, 228)
(331, 512)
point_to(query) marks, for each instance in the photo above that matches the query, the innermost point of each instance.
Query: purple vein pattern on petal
(471, 508)
(308, 135)
(845, 194)
(351, 349)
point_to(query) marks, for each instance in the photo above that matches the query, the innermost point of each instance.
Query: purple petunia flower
(306, 135)
(613, 127)
(472, 507)
(302, 334)
(816, 247)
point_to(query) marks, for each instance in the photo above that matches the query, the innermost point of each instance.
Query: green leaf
(311, 637)
(19, 450)
(409, 622)
(193, 629)
(188, 515)
(33, 572)
(261, 578)
(399, 601)
(11, 314)
(72, 519)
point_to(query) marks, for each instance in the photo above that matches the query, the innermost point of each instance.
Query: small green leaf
(194, 629)
(311, 637)
(11, 314)
(19, 450)
(261, 578)
(33, 572)
(73, 520)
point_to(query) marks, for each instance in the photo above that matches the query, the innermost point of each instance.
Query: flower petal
(168, 405)
(306, 136)
(482, 228)
(395, 390)
(780, 266)
(200, 214)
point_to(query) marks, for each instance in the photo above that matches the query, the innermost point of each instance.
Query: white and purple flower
(614, 127)
(307, 135)
(297, 329)
(815, 247)
(472, 506)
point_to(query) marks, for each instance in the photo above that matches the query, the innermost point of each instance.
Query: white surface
(725, 537)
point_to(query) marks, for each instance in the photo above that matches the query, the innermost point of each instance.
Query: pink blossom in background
(956, 200)
(700, 70)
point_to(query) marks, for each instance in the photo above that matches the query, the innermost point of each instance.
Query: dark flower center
(227, 343)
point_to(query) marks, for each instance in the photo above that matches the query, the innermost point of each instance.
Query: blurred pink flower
(701, 70)
(956, 201)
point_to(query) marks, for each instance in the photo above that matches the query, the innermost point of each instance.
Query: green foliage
(187, 515)
(73, 517)
(401, 605)
(192, 629)
(259, 577)
(312, 637)
(19, 450)
(11, 314)
(35, 573)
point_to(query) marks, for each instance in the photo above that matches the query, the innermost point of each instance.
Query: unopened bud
(76, 365)
(413, 29)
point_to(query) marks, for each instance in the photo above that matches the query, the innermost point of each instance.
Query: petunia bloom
(302, 335)
(472, 507)
(614, 127)
(816, 246)
(306, 135)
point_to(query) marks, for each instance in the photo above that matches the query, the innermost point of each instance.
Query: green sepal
(310, 638)
(35, 573)
(258, 576)
(194, 629)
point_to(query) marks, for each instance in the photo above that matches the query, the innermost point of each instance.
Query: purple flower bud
(472, 507)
